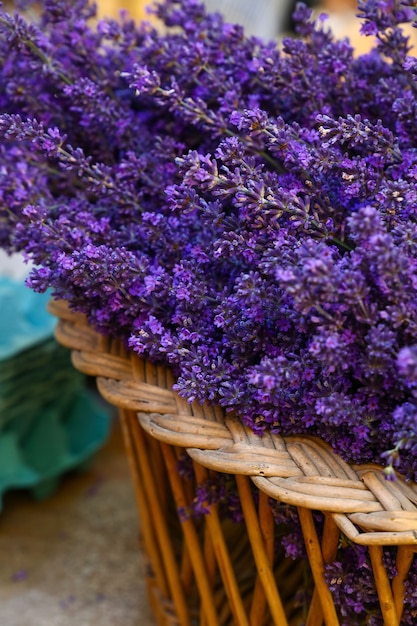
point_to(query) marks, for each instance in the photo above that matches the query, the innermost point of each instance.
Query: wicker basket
(207, 571)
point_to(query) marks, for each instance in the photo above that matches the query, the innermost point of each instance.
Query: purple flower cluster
(350, 579)
(243, 211)
(220, 491)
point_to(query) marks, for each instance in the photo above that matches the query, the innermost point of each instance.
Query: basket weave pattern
(301, 471)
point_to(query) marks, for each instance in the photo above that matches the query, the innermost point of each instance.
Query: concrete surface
(73, 559)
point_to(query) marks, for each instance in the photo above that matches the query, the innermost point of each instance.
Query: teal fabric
(55, 444)
(24, 319)
(49, 421)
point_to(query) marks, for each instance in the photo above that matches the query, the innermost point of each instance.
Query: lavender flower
(243, 216)
(242, 211)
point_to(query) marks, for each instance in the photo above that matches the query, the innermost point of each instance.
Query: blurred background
(266, 18)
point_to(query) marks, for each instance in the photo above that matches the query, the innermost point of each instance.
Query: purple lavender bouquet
(243, 211)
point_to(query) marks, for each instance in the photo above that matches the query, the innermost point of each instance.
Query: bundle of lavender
(242, 211)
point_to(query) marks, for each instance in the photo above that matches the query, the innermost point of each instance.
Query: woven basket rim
(300, 470)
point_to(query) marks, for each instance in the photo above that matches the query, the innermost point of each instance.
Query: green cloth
(49, 421)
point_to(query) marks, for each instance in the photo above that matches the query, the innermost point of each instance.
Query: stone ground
(73, 559)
